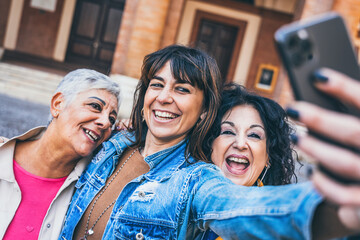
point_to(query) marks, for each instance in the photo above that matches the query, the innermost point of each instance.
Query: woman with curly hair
(250, 142)
(250, 139)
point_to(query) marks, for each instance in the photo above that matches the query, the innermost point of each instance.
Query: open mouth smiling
(93, 136)
(237, 165)
(165, 115)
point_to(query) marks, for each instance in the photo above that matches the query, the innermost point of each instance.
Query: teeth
(91, 135)
(238, 160)
(164, 114)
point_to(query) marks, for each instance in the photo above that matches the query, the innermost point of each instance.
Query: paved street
(18, 116)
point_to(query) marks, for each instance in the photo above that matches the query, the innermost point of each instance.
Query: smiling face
(171, 108)
(240, 149)
(86, 121)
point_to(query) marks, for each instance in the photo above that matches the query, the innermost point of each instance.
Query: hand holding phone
(307, 46)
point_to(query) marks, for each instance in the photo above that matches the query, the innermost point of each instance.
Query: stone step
(27, 83)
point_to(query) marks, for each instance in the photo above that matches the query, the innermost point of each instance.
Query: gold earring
(142, 115)
(260, 181)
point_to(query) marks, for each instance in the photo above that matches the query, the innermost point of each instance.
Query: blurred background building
(52, 37)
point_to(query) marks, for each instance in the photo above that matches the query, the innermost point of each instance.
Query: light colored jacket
(10, 194)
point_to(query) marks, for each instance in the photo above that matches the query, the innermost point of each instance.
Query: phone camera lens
(305, 45)
(293, 42)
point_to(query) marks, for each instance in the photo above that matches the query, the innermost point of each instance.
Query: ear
(268, 165)
(57, 104)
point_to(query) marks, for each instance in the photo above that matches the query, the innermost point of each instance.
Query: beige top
(10, 194)
(133, 168)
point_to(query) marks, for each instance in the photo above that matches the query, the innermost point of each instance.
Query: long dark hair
(190, 65)
(281, 154)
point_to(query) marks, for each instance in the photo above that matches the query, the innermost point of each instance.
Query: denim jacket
(181, 198)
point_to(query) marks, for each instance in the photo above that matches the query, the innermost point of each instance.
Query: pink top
(37, 195)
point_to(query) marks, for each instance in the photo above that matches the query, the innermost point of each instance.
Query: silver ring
(358, 213)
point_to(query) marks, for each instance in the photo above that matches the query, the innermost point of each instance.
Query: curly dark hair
(281, 154)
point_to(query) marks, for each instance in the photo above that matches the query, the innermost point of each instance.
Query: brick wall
(314, 7)
(4, 12)
(349, 9)
(265, 52)
(142, 34)
(172, 22)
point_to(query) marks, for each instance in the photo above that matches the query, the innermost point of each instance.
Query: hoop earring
(260, 181)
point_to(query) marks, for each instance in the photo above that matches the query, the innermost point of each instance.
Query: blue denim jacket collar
(157, 161)
(121, 140)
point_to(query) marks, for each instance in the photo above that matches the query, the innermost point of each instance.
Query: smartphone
(308, 45)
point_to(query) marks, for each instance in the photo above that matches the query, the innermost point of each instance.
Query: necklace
(90, 231)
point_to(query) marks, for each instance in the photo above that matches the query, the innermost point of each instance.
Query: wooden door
(94, 33)
(221, 38)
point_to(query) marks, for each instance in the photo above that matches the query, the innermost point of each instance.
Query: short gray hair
(82, 80)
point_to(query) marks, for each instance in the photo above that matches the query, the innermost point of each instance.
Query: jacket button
(139, 236)
(141, 194)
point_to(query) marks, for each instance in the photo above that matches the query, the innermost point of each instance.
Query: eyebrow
(177, 80)
(257, 125)
(103, 102)
(158, 78)
(233, 125)
(228, 122)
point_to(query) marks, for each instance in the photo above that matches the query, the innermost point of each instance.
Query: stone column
(172, 22)
(141, 33)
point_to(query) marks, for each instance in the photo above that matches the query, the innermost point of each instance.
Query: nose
(240, 143)
(165, 96)
(103, 121)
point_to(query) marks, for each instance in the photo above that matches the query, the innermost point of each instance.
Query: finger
(350, 217)
(341, 127)
(123, 124)
(348, 195)
(333, 158)
(339, 86)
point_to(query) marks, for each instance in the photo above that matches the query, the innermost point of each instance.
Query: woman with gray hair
(40, 168)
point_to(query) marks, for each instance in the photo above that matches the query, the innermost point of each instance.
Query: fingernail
(293, 113)
(319, 77)
(294, 138)
(309, 172)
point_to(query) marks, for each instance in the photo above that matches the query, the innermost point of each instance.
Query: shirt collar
(7, 152)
